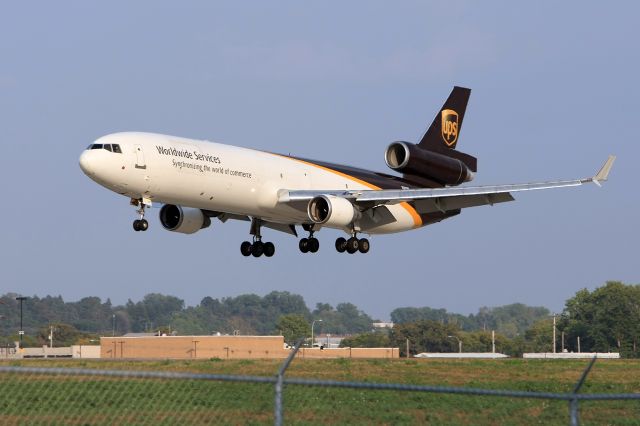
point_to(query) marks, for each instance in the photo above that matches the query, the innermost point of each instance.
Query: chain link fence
(83, 396)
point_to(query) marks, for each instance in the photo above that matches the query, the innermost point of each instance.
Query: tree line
(605, 319)
(247, 314)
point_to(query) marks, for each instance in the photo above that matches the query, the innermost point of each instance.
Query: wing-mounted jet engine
(185, 220)
(332, 211)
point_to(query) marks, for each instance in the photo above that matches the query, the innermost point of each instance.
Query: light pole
(114, 326)
(459, 343)
(312, 324)
(21, 299)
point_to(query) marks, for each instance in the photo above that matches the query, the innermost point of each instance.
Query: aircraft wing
(443, 199)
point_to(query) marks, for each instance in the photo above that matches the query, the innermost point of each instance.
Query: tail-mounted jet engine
(443, 168)
(185, 220)
(332, 211)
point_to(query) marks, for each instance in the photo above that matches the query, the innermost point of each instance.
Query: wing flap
(443, 204)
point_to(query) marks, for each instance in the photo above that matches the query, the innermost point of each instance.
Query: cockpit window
(112, 147)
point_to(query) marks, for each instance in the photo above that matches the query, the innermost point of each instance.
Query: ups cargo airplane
(196, 181)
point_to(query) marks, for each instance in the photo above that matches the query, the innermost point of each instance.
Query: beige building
(223, 347)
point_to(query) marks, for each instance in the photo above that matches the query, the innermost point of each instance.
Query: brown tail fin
(444, 131)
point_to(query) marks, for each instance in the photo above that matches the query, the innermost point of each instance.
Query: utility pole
(459, 343)
(21, 299)
(114, 326)
(51, 328)
(554, 333)
(493, 341)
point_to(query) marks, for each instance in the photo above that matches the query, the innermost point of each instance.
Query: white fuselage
(220, 178)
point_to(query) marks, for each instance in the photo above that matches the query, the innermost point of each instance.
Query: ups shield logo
(449, 126)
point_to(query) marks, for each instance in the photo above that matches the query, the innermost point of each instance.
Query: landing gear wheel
(352, 245)
(139, 224)
(245, 248)
(341, 245)
(303, 245)
(269, 249)
(313, 244)
(257, 249)
(363, 245)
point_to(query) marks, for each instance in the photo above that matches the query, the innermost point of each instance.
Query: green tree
(63, 335)
(425, 336)
(153, 311)
(346, 318)
(375, 339)
(509, 320)
(90, 314)
(293, 327)
(539, 337)
(512, 320)
(606, 319)
(409, 314)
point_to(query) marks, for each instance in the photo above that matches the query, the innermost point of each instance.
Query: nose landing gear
(139, 224)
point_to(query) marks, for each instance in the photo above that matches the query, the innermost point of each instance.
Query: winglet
(603, 173)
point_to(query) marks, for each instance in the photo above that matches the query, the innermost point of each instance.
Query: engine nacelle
(185, 220)
(332, 211)
(408, 158)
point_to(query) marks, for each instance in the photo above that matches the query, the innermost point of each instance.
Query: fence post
(573, 413)
(574, 419)
(280, 379)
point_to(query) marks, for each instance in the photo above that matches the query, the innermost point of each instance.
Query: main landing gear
(352, 245)
(257, 248)
(311, 244)
(139, 224)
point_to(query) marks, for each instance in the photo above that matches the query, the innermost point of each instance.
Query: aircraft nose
(86, 163)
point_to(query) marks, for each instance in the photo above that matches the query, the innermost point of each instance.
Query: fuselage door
(140, 164)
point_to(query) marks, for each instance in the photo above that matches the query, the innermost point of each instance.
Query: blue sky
(554, 92)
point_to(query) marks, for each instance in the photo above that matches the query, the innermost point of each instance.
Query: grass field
(33, 399)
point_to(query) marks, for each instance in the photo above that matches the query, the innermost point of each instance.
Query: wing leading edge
(443, 199)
